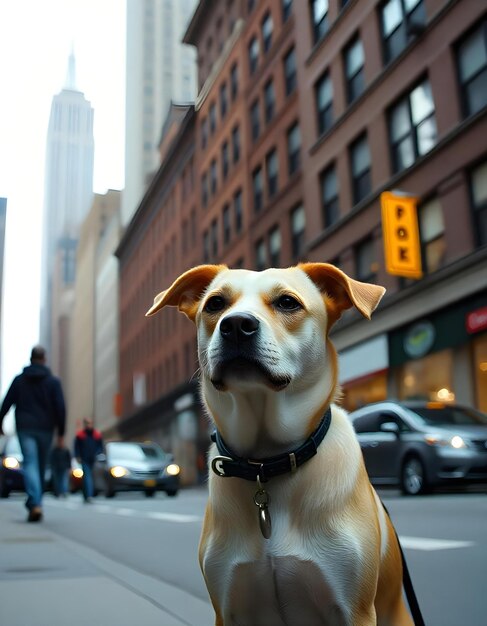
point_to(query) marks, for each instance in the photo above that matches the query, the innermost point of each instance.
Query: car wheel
(171, 492)
(413, 477)
(150, 493)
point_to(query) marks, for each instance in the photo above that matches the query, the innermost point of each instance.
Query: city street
(444, 536)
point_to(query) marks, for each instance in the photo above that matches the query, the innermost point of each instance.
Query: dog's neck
(260, 422)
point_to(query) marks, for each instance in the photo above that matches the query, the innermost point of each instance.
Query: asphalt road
(443, 535)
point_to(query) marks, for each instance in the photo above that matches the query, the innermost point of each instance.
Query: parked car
(134, 466)
(419, 445)
(11, 470)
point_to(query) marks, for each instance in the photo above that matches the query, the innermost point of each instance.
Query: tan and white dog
(294, 534)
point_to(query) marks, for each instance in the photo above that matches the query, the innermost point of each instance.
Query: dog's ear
(341, 291)
(186, 291)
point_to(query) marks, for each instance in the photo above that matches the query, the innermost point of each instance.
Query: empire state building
(68, 194)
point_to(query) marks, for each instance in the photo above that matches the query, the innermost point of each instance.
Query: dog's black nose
(239, 327)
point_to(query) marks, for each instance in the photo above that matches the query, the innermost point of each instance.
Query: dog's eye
(215, 304)
(287, 303)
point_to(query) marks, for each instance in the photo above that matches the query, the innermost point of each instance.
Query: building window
(257, 188)
(204, 133)
(250, 5)
(366, 265)
(227, 228)
(236, 144)
(225, 160)
(290, 71)
(329, 197)
(238, 212)
(324, 103)
(255, 120)
(294, 148)
(204, 190)
(432, 229)
(275, 247)
(260, 255)
(319, 18)
(360, 163)
(298, 224)
(401, 21)
(212, 118)
(270, 101)
(478, 192)
(272, 171)
(223, 100)
(213, 177)
(234, 81)
(206, 247)
(412, 126)
(287, 6)
(354, 69)
(267, 28)
(472, 69)
(253, 54)
(214, 238)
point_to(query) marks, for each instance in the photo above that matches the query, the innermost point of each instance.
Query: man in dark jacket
(39, 411)
(88, 443)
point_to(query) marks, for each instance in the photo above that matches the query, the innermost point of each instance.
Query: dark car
(134, 466)
(11, 470)
(419, 445)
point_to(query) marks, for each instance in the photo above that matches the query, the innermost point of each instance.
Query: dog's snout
(239, 327)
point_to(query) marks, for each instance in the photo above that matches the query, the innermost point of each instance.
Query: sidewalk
(47, 580)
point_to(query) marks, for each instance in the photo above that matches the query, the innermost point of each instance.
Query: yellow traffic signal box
(402, 245)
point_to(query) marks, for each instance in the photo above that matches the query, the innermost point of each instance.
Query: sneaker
(35, 514)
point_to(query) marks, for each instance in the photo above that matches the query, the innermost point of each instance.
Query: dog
(293, 533)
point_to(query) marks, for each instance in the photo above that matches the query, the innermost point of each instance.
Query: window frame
(290, 80)
(366, 174)
(294, 157)
(325, 115)
(358, 76)
(330, 207)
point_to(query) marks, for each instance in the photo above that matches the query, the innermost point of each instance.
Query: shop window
(478, 193)
(360, 165)
(429, 378)
(267, 28)
(275, 247)
(260, 255)
(472, 69)
(366, 265)
(412, 126)
(298, 225)
(324, 103)
(290, 76)
(293, 148)
(480, 368)
(272, 171)
(364, 391)
(354, 69)
(270, 101)
(401, 21)
(329, 195)
(432, 230)
(319, 18)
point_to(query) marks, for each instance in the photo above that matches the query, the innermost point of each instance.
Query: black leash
(407, 582)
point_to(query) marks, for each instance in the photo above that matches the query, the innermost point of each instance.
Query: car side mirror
(101, 458)
(390, 427)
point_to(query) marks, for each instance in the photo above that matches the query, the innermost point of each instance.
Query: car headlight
(118, 471)
(77, 473)
(173, 469)
(10, 462)
(456, 441)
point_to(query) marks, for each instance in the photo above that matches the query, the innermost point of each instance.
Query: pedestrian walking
(88, 443)
(60, 466)
(39, 411)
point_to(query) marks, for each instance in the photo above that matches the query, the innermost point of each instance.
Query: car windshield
(134, 452)
(440, 414)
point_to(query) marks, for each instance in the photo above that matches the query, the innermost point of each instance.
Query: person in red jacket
(88, 443)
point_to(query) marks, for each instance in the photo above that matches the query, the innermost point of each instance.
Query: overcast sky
(36, 37)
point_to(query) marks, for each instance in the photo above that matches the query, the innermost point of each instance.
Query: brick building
(303, 117)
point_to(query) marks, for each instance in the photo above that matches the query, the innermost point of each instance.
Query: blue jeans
(60, 482)
(87, 480)
(35, 446)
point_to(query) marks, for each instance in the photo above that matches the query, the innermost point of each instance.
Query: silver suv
(419, 445)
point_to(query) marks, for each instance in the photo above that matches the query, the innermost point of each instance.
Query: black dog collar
(231, 465)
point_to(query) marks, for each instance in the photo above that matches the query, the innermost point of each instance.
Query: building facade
(3, 222)
(303, 118)
(159, 69)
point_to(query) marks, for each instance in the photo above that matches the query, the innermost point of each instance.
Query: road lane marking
(127, 512)
(174, 517)
(428, 544)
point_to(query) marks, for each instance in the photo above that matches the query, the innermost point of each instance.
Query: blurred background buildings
(300, 121)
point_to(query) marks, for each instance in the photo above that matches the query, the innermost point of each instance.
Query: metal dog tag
(262, 499)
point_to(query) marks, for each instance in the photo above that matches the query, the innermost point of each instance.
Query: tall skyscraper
(159, 69)
(68, 193)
